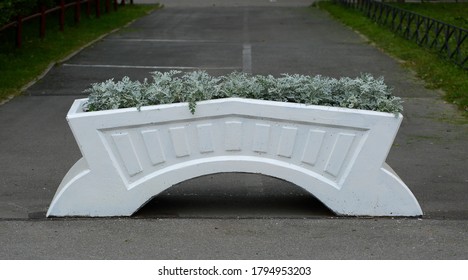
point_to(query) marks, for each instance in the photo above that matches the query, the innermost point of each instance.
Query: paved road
(252, 216)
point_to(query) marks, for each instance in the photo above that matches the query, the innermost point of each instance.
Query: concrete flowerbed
(131, 155)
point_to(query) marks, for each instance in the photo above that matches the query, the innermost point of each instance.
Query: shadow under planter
(234, 195)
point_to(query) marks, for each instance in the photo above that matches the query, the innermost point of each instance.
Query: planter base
(130, 156)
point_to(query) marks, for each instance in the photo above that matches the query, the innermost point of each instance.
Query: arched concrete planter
(130, 156)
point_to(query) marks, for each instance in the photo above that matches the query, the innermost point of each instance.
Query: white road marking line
(163, 40)
(246, 47)
(147, 67)
(245, 26)
(247, 59)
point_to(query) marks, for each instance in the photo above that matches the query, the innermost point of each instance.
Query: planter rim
(76, 109)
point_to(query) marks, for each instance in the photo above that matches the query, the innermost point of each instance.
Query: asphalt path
(251, 216)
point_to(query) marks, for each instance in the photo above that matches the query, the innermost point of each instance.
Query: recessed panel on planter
(287, 141)
(179, 141)
(153, 146)
(261, 138)
(205, 135)
(127, 153)
(313, 146)
(339, 152)
(233, 136)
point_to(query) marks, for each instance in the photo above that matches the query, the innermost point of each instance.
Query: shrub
(364, 92)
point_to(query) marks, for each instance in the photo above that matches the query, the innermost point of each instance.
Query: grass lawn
(453, 13)
(436, 71)
(18, 67)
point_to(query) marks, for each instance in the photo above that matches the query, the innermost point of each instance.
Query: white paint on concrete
(148, 67)
(120, 170)
(247, 58)
(163, 40)
(247, 47)
(228, 3)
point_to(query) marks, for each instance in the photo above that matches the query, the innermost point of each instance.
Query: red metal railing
(43, 12)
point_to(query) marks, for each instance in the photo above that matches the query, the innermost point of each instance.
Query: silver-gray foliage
(364, 92)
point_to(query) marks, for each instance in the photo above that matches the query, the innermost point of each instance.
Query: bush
(364, 92)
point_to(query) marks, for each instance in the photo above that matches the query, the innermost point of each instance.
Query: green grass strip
(18, 67)
(437, 72)
(452, 13)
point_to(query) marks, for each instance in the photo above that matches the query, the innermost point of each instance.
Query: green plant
(364, 92)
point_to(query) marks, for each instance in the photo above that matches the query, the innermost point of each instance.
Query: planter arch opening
(234, 195)
(129, 155)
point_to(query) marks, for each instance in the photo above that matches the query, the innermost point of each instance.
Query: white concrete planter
(130, 156)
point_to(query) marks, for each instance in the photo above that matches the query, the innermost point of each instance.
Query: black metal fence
(449, 40)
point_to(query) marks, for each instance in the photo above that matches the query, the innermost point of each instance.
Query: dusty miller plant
(364, 92)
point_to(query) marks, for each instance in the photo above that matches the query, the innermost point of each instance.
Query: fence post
(107, 6)
(62, 15)
(19, 31)
(43, 22)
(98, 8)
(88, 8)
(116, 4)
(122, 2)
(77, 11)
